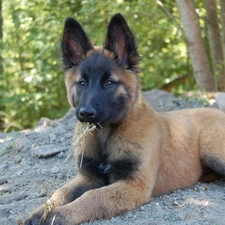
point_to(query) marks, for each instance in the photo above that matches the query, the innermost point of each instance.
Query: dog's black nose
(87, 114)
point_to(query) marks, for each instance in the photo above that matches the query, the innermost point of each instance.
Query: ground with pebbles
(32, 165)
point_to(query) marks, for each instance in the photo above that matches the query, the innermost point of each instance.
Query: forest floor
(33, 161)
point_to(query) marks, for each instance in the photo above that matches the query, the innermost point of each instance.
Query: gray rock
(19, 172)
(41, 194)
(61, 155)
(220, 100)
(3, 181)
(17, 159)
(44, 171)
(60, 175)
(4, 166)
(55, 169)
(20, 197)
(52, 137)
(47, 150)
(5, 189)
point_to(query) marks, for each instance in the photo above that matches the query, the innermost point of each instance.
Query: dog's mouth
(104, 122)
(99, 124)
(92, 115)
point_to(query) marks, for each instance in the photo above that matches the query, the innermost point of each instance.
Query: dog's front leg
(64, 195)
(104, 202)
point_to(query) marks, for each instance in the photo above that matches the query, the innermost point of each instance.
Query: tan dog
(138, 153)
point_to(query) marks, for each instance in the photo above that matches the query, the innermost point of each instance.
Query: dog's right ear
(75, 43)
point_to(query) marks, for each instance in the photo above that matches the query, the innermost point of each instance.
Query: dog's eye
(108, 83)
(82, 83)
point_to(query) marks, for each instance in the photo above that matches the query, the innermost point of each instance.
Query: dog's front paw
(58, 216)
(36, 217)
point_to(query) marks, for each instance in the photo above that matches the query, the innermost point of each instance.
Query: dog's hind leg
(216, 163)
(212, 153)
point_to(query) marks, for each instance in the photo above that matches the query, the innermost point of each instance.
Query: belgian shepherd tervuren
(135, 152)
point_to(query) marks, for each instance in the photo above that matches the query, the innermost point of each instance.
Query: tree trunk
(1, 68)
(196, 48)
(0, 19)
(222, 10)
(215, 44)
(1, 24)
(1, 35)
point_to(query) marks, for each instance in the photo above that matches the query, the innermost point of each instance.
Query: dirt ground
(32, 162)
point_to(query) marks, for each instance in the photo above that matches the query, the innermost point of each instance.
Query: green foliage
(32, 84)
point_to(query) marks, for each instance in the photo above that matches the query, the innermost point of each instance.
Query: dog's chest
(109, 170)
(112, 160)
(104, 168)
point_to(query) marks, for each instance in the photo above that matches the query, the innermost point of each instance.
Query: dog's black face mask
(101, 95)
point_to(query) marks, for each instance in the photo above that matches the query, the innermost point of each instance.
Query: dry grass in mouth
(81, 130)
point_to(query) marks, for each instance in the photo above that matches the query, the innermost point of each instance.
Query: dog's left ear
(121, 42)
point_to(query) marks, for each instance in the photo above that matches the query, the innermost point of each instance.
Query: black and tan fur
(138, 153)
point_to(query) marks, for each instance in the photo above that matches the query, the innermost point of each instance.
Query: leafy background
(32, 81)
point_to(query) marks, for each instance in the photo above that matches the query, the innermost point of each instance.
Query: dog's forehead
(97, 62)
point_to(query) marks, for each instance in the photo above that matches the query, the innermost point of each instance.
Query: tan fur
(71, 77)
(105, 52)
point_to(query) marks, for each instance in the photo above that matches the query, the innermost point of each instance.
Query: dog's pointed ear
(121, 42)
(75, 43)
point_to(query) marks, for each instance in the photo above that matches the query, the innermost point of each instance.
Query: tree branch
(167, 12)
